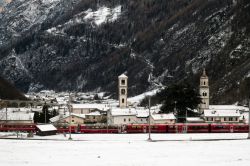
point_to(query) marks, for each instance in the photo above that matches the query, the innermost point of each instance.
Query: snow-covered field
(128, 150)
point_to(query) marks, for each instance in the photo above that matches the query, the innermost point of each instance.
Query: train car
(198, 128)
(98, 129)
(66, 129)
(144, 128)
(222, 128)
(240, 128)
(26, 127)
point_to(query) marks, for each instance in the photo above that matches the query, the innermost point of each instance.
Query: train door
(184, 129)
(231, 129)
(179, 129)
(144, 129)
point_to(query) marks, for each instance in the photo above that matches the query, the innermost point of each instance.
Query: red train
(18, 127)
(138, 128)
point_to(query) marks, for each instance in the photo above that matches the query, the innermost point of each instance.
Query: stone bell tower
(123, 90)
(204, 92)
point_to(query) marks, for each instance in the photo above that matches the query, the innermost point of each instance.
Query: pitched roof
(221, 113)
(60, 117)
(163, 116)
(46, 127)
(123, 76)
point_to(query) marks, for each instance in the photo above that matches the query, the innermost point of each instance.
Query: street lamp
(69, 107)
(149, 115)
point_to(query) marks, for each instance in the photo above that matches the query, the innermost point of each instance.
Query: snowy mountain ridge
(83, 45)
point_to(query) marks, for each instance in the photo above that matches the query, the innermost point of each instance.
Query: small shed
(45, 130)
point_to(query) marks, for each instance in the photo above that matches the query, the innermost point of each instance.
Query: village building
(21, 118)
(16, 115)
(163, 118)
(88, 108)
(65, 120)
(222, 116)
(46, 129)
(122, 116)
(95, 117)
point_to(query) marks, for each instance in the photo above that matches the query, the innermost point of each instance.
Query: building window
(141, 120)
(73, 120)
(122, 100)
(230, 119)
(124, 120)
(123, 82)
(93, 117)
(204, 93)
(129, 119)
(123, 91)
(204, 83)
(236, 119)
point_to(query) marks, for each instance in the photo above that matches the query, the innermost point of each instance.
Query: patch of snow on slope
(103, 14)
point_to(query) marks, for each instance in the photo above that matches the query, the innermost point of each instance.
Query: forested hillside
(83, 45)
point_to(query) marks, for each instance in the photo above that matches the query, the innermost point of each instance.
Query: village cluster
(79, 109)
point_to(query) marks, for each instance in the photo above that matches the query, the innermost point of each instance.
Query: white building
(64, 120)
(222, 115)
(120, 116)
(123, 90)
(16, 117)
(88, 108)
(163, 118)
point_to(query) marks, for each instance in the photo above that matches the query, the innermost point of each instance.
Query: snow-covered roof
(47, 127)
(96, 113)
(221, 113)
(163, 116)
(17, 116)
(123, 112)
(228, 107)
(60, 117)
(102, 107)
(195, 119)
(21, 109)
(123, 76)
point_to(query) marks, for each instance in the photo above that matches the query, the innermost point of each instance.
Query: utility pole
(149, 115)
(45, 112)
(248, 119)
(186, 122)
(69, 106)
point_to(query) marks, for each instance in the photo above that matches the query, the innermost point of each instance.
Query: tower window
(204, 83)
(122, 100)
(204, 94)
(123, 91)
(123, 82)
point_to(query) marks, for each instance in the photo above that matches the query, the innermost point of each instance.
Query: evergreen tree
(181, 98)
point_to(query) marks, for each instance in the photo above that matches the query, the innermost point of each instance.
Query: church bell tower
(123, 90)
(204, 92)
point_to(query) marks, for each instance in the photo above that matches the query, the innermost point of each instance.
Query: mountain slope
(8, 91)
(84, 45)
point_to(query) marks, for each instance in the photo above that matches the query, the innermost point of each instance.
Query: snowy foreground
(127, 150)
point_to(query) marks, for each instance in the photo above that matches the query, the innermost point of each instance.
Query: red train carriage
(98, 129)
(66, 129)
(26, 127)
(241, 128)
(229, 128)
(143, 128)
